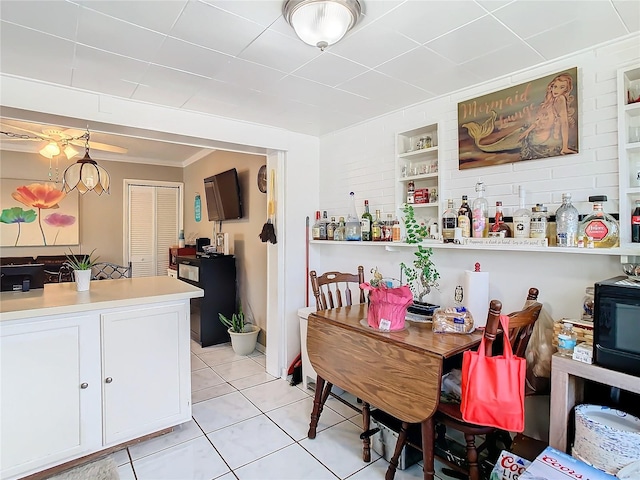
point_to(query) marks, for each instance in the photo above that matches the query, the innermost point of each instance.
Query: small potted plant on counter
(421, 277)
(244, 334)
(81, 265)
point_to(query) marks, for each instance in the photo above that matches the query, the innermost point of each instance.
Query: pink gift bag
(387, 306)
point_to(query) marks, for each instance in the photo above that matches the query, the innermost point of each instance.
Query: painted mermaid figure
(546, 136)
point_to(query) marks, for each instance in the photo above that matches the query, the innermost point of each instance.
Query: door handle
(108, 380)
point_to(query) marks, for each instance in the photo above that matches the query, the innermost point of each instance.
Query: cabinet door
(146, 380)
(50, 392)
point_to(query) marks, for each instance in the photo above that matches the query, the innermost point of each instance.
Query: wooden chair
(327, 288)
(448, 415)
(107, 270)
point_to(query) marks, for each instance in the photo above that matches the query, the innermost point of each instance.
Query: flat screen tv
(222, 193)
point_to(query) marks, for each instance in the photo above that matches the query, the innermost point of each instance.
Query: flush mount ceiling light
(321, 23)
(86, 174)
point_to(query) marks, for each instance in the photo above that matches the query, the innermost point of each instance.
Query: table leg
(366, 424)
(317, 407)
(393, 464)
(428, 435)
(566, 391)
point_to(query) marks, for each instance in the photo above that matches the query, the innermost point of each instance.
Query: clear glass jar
(567, 339)
(538, 225)
(587, 305)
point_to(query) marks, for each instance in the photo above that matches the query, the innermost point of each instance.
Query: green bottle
(365, 223)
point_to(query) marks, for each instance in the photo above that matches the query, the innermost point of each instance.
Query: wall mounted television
(223, 196)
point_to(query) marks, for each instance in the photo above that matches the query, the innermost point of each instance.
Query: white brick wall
(361, 159)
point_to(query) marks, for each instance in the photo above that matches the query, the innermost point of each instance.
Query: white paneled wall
(361, 159)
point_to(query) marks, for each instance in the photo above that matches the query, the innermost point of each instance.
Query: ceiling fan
(56, 141)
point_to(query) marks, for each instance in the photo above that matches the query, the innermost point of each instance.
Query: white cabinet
(51, 392)
(629, 151)
(417, 163)
(74, 385)
(145, 387)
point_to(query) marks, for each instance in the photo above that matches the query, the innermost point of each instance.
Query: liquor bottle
(387, 234)
(567, 219)
(538, 225)
(352, 226)
(315, 229)
(635, 223)
(376, 228)
(480, 214)
(521, 218)
(449, 222)
(600, 226)
(498, 222)
(323, 226)
(411, 190)
(339, 235)
(331, 228)
(365, 223)
(465, 217)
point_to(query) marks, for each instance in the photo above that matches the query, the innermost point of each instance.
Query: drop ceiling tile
(263, 12)
(492, 5)
(300, 90)
(280, 52)
(164, 15)
(181, 55)
(473, 40)
(32, 54)
(206, 104)
(59, 19)
(630, 13)
(211, 27)
(223, 92)
(449, 80)
(378, 8)
(577, 34)
(385, 89)
(168, 87)
(106, 72)
(416, 66)
(424, 21)
(112, 35)
(373, 45)
(330, 69)
(169, 97)
(503, 62)
(249, 75)
(281, 26)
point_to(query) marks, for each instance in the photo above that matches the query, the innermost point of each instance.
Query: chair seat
(450, 414)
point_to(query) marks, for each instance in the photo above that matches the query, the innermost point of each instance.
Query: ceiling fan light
(321, 23)
(86, 175)
(70, 152)
(50, 150)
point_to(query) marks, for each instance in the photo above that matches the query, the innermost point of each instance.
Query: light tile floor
(248, 425)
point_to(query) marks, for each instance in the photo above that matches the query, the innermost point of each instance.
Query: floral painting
(537, 119)
(37, 214)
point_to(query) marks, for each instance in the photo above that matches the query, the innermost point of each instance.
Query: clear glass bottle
(465, 217)
(396, 234)
(600, 226)
(567, 340)
(498, 222)
(365, 223)
(449, 222)
(387, 234)
(538, 225)
(353, 232)
(480, 213)
(324, 221)
(339, 235)
(331, 228)
(567, 220)
(522, 218)
(587, 305)
(376, 228)
(315, 229)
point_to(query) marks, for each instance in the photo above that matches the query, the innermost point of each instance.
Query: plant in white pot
(244, 334)
(81, 265)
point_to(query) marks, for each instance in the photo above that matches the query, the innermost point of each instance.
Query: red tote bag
(493, 387)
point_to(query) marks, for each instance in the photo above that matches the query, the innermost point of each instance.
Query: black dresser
(216, 275)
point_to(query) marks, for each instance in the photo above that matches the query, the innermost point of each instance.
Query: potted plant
(244, 334)
(81, 265)
(422, 276)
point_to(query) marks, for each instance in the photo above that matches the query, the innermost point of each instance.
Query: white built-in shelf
(632, 109)
(423, 176)
(629, 249)
(418, 153)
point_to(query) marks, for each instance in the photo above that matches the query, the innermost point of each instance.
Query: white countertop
(57, 298)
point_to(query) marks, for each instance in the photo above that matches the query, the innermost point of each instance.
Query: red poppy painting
(37, 214)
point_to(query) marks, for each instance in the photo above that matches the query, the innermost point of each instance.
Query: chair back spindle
(334, 289)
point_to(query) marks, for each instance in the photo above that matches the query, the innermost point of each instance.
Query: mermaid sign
(537, 119)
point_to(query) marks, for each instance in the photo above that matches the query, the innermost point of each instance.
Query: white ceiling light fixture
(321, 23)
(50, 150)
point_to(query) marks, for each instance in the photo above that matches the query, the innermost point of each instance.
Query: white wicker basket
(606, 438)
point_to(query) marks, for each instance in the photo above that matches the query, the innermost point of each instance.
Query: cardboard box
(509, 467)
(421, 195)
(583, 352)
(553, 464)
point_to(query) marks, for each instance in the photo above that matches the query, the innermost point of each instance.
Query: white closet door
(154, 219)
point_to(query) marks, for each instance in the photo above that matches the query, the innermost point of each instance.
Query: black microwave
(616, 325)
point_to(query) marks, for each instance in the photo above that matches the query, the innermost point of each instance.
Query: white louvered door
(153, 227)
